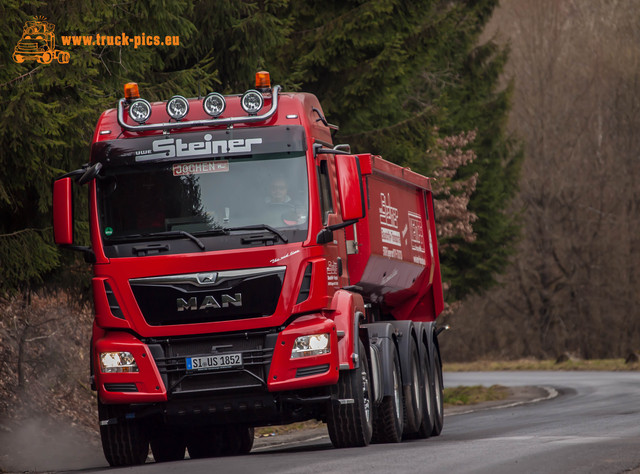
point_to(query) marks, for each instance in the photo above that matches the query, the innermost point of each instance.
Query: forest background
(526, 112)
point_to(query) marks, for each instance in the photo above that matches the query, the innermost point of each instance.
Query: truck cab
(223, 232)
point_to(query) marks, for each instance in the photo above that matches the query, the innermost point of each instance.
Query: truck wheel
(125, 443)
(350, 423)
(438, 396)
(167, 446)
(203, 443)
(236, 440)
(428, 403)
(18, 58)
(388, 423)
(413, 395)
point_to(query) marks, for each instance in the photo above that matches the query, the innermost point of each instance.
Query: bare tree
(573, 285)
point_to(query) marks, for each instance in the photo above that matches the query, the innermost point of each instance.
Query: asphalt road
(592, 426)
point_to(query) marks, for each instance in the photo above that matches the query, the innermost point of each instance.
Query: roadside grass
(533, 364)
(453, 396)
(463, 395)
(456, 396)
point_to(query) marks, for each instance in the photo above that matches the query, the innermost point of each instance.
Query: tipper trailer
(247, 272)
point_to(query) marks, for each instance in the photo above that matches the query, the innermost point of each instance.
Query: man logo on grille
(209, 302)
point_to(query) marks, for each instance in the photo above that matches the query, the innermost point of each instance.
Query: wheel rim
(416, 387)
(427, 390)
(396, 393)
(365, 391)
(438, 395)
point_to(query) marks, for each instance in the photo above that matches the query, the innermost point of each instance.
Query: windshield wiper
(260, 227)
(178, 233)
(168, 233)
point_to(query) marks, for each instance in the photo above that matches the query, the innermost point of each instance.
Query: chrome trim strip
(205, 279)
(199, 123)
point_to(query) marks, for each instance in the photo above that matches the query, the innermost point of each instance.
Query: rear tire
(351, 424)
(388, 422)
(438, 395)
(413, 400)
(125, 443)
(220, 441)
(428, 403)
(168, 445)
(237, 440)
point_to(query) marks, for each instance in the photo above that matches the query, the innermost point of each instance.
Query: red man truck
(247, 272)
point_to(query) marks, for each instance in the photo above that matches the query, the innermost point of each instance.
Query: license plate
(223, 361)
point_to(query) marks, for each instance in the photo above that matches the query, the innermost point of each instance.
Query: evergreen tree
(50, 110)
(389, 73)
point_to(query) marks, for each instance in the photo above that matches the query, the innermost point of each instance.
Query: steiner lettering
(176, 148)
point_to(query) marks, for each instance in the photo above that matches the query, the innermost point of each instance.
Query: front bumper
(267, 364)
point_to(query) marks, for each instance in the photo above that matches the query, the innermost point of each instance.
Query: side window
(326, 203)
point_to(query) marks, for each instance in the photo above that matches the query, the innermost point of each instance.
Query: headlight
(214, 104)
(140, 110)
(111, 362)
(313, 345)
(252, 101)
(177, 107)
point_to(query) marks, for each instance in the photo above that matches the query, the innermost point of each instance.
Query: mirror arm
(326, 234)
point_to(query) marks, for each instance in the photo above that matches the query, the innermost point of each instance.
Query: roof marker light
(214, 104)
(140, 110)
(178, 107)
(131, 91)
(263, 81)
(252, 101)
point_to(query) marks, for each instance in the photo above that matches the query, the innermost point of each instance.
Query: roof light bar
(178, 107)
(123, 103)
(214, 104)
(252, 101)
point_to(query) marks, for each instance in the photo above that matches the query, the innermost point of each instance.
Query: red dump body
(397, 260)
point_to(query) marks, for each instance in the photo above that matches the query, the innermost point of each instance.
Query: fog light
(140, 110)
(305, 346)
(214, 104)
(252, 101)
(112, 362)
(178, 107)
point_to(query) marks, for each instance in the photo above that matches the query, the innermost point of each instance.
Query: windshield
(214, 197)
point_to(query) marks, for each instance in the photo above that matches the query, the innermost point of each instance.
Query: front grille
(209, 297)
(256, 349)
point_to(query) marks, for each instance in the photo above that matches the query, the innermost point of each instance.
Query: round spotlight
(140, 110)
(252, 101)
(214, 104)
(178, 107)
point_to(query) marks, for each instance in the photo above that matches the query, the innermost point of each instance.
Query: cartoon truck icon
(38, 43)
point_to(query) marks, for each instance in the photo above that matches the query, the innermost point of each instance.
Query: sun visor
(196, 145)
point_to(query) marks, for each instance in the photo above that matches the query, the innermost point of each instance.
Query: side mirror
(350, 187)
(63, 212)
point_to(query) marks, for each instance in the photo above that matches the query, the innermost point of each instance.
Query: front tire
(125, 443)
(350, 423)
